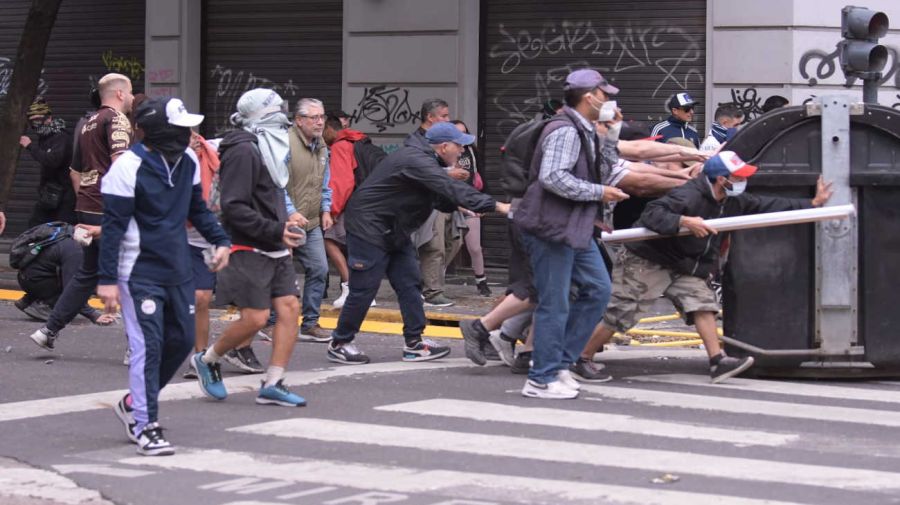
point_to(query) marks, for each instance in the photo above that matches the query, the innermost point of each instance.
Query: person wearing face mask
(253, 177)
(53, 152)
(145, 266)
(395, 200)
(571, 175)
(678, 267)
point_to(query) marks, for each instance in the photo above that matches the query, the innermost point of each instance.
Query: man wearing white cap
(148, 194)
(678, 267)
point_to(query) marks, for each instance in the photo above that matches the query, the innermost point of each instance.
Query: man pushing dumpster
(678, 267)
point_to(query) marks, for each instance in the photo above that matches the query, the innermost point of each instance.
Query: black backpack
(517, 152)
(29, 245)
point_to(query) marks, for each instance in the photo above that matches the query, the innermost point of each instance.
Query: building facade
(495, 61)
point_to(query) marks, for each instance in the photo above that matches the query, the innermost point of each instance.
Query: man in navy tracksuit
(148, 194)
(678, 124)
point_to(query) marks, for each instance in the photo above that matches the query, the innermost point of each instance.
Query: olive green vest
(307, 174)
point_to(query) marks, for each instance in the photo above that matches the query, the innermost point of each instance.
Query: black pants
(77, 292)
(368, 265)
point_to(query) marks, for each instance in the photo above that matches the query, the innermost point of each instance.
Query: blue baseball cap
(447, 132)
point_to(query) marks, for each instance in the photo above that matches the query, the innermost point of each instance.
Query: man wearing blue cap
(570, 176)
(394, 201)
(677, 267)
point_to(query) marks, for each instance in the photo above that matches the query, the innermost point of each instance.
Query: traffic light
(860, 53)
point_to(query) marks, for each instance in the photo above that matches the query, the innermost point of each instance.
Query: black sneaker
(124, 413)
(490, 353)
(244, 360)
(23, 302)
(346, 354)
(483, 288)
(585, 370)
(728, 367)
(522, 363)
(474, 336)
(425, 350)
(438, 300)
(152, 443)
(38, 310)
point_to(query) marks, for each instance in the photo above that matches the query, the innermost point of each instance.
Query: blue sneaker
(279, 395)
(209, 377)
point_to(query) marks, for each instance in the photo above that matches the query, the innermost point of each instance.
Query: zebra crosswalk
(454, 450)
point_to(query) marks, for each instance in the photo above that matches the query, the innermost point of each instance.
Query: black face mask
(36, 125)
(171, 141)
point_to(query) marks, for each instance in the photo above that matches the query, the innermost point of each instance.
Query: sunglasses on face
(687, 109)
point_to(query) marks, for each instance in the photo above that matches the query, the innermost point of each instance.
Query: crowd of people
(169, 222)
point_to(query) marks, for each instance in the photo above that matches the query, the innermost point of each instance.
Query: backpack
(29, 245)
(518, 151)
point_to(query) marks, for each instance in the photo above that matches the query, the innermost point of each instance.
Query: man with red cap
(678, 267)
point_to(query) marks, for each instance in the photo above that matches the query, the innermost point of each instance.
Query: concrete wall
(173, 50)
(397, 53)
(786, 47)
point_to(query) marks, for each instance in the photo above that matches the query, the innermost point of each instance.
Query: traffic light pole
(870, 90)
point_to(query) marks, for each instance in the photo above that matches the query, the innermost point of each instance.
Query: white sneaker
(339, 301)
(565, 376)
(555, 390)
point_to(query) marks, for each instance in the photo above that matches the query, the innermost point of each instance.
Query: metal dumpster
(819, 299)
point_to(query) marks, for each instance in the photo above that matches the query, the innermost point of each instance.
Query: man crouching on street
(677, 267)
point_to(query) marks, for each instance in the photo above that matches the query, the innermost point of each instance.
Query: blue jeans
(368, 265)
(562, 328)
(312, 258)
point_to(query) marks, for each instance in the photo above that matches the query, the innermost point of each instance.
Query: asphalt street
(445, 432)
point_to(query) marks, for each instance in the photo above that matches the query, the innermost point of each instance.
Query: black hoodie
(253, 208)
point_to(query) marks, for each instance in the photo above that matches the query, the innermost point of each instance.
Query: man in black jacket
(53, 152)
(396, 199)
(677, 267)
(252, 177)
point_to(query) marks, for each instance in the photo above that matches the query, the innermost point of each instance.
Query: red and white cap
(727, 163)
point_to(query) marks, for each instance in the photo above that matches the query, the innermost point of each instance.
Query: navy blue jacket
(146, 204)
(675, 128)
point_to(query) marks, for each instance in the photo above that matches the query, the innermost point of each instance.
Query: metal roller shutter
(649, 49)
(293, 47)
(90, 38)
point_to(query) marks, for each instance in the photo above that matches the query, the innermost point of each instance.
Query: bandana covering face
(260, 113)
(55, 126)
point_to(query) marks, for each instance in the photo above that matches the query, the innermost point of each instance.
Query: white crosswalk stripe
(835, 392)
(466, 485)
(747, 406)
(562, 452)
(593, 421)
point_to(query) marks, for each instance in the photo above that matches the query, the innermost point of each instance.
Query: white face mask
(736, 188)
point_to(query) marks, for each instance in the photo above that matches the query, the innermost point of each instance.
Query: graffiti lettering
(748, 101)
(384, 108)
(6, 71)
(828, 64)
(126, 65)
(230, 85)
(632, 48)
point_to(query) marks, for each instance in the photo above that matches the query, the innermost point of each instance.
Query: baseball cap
(447, 132)
(679, 100)
(154, 112)
(259, 102)
(589, 78)
(727, 163)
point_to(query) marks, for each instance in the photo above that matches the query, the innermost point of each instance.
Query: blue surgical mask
(736, 188)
